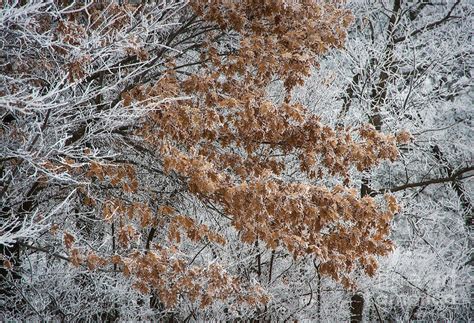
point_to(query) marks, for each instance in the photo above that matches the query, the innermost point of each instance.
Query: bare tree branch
(455, 176)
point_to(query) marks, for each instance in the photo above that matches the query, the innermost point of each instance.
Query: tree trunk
(357, 308)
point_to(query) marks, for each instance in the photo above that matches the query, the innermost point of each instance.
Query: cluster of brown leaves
(166, 273)
(171, 277)
(224, 139)
(231, 146)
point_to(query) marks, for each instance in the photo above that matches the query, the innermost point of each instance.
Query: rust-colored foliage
(237, 149)
(223, 139)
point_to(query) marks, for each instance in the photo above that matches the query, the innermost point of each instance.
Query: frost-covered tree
(198, 160)
(64, 68)
(147, 175)
(407, 65)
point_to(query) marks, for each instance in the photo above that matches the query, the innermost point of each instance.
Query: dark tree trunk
(357, 308)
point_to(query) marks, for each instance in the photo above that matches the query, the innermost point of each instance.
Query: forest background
(212, 160)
